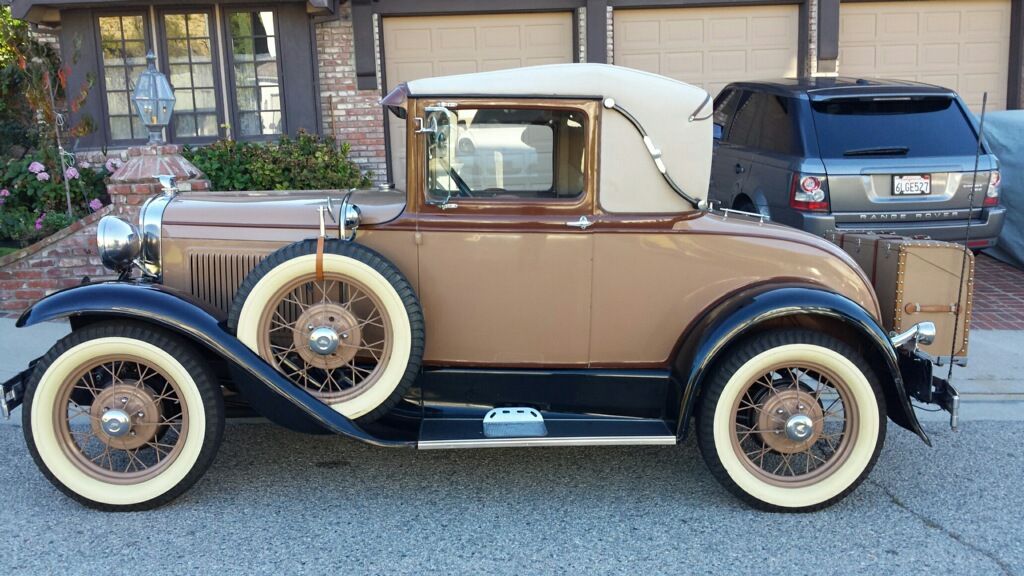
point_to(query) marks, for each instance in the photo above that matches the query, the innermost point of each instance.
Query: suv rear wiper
(881, 151)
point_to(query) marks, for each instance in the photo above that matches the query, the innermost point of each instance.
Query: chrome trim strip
(151, 225)
(538, 442)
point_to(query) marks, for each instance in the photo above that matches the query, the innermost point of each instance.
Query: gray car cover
(1004, 133)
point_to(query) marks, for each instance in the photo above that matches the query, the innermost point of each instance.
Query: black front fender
(269, 393)
(742, 314)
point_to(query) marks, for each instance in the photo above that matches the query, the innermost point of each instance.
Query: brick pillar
(136, 181)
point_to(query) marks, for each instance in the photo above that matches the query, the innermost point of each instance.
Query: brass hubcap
(789, 420)
(794, 425)
(327, 336)
(126, 415)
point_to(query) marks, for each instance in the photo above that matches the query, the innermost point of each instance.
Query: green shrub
(307, 162)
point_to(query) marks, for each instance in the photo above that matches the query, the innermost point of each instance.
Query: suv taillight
(992, 194)
(808, 193)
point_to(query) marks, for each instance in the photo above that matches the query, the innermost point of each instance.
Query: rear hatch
(900, 159)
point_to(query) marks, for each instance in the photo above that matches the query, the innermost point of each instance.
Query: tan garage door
(425, 46)
(709, 47)
(960, 45)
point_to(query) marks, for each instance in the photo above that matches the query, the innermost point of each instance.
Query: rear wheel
(123, 416)
(791, 421)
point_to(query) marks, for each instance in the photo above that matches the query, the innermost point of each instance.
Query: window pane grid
(123, 45)
(256, 73)
(190, 59)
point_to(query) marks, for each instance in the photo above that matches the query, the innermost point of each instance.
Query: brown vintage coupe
(551, 276)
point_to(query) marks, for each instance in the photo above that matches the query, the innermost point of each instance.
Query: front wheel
(123, 416)
(791, 421)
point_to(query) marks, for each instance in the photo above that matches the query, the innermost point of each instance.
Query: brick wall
(351, 115)
(56, 262)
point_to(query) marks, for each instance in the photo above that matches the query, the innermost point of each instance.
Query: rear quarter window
(906, 127)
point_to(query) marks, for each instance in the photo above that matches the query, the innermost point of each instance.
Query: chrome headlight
(119, 243)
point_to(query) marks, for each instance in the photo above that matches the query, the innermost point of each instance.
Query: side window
(725, 108)
(506, 153)
(746, 125)
(776, 132)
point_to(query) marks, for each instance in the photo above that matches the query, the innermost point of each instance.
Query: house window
(252, 97)
(123, 46)
(190, 65)
(257, 81)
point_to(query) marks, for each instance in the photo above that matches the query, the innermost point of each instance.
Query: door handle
(582, 223)
(739, 169)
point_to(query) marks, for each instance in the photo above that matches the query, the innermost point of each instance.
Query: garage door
(421, 47)
(960, 45)
(709, 47)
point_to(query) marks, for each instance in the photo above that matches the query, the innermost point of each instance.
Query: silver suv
(848, 154)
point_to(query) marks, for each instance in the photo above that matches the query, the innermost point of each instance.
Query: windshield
(892, 127)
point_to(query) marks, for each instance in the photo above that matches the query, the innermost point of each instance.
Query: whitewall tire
(791, 421)
(123, 416)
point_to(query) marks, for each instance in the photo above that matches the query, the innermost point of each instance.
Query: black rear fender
(768, 307)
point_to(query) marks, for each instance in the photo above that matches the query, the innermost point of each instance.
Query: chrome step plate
(514, 422)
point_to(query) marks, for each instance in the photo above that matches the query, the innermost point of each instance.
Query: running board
(447, 433)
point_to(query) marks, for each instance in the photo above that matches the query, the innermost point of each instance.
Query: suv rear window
(904, 127)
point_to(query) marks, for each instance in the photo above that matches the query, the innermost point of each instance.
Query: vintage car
(550, 277)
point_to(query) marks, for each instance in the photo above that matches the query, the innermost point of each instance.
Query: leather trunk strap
(320, 259)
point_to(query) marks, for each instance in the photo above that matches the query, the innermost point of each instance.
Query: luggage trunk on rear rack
(919, 281)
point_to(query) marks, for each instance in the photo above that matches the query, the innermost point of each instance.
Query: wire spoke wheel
(121, 419)
(794, 424)
(330, 337)
(791, 420)
(123, 416)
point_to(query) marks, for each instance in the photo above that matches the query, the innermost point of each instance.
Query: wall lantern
(154, 100)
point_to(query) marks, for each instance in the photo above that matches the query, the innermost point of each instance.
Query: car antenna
(967, 233)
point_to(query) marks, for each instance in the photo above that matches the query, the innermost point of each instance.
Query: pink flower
(39, 221)
(5, 192)
(95, 204)
(36, 168)
(71, 173)
(42, 176)
(113, 164)
(83, 164)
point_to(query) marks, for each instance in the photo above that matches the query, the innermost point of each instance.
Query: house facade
(256, 70)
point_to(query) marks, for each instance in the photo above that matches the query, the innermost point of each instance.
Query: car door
(735, 121)
(505, 254)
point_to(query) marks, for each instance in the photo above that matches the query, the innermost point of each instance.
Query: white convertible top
(675, 115)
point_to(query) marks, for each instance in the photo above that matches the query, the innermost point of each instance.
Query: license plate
(912, 185)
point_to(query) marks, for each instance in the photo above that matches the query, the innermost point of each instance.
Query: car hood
(279, 209)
